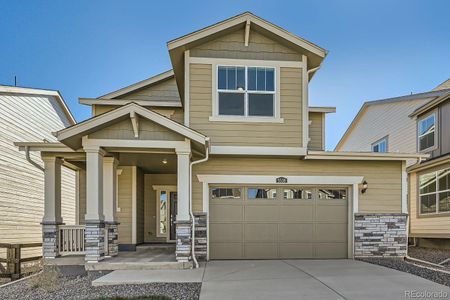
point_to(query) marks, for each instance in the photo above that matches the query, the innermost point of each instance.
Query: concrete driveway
(287, 279)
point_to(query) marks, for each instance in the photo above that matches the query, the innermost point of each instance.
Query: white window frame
(437, 192)
(432, 114)
(378, 142)
(246, 118)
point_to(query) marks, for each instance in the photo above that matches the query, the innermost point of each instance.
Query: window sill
(246, 119)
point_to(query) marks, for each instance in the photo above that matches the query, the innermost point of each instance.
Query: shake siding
(316, 131)
(425, 225)
(124, 216)
(28, 118)
(287, 134)
(384, 177)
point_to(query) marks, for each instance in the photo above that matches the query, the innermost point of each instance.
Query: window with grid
(427, 132)
(434, 192)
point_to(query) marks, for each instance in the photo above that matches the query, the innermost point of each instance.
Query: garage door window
(226, 193)
(297, 194)
(332, 194)
(261, 193)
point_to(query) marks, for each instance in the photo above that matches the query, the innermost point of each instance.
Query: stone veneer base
(50, 240)
(94, 238)
(380, 235)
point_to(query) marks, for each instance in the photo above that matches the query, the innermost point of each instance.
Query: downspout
(27, 155)
(190, 201)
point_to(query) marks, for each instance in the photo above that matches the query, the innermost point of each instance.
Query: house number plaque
(281, 180)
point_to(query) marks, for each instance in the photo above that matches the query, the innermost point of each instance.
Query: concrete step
(156, 265)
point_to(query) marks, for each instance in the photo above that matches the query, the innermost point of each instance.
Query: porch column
(95, 225)
(183, 222)
(52, 206)
(110, 205)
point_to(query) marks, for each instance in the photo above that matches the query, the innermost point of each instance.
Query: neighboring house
(409, 124)
(28, 114)
(235, 111)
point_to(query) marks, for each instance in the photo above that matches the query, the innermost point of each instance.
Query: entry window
(427, 133)
(162, 213)
(297, 194)
(246, 91)
(332, 194)
(261, 193)
(434, 192)
(226, 193)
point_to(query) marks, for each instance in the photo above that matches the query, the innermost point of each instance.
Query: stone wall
(50, 240)
(201, 243)
(94, 237)
(184, 237)
(113, 239)
(380, 235)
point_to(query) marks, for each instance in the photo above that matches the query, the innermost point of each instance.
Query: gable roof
(66, 135)
(431, 104)
(45, 92)
(178, 46)
(443, 86)
(427, 96)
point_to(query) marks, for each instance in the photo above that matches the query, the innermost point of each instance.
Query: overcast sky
(377, 49)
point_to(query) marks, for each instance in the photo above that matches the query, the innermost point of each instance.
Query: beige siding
(28, 118)
(384, 177)
(124, 216)
(177, 116)
(140, 214)
(82, 196)
(150, 203)
(232, 46)
(425, 225)
(101, 109)
(163, 91)
(148, 130)
(287, 134)
(316, 131)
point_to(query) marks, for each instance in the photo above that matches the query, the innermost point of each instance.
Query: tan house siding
(287, 134)
(140, 213)
(427, 225)
(150, 203)
(82, 196)
(232, 46)
(177, 116)
(384, 177)
(124, 216)
(166, 90)
(101, 109)
(316, 131)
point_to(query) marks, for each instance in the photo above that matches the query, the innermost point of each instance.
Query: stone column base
(50, 240)
(201, 237)
(183, 243)
(94, 238)
(380, 235)
(113, 241)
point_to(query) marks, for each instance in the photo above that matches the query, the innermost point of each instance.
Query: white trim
(247, 33)
(118, 173)
(44, 147)
(322, 109)
(255, 150)
(168, 189)
(133, 204)
(187, 83)
(435, 132)
(122, 102)
(304, 102)
(337, 155)
(135, 123)
(77, 197)
(257, 62)
(384, 139)
(323, 132)
(404, 188)
(244, 119)
(162, 144)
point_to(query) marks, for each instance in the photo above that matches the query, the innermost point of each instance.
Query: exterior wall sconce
(164, 161)
(364, 187)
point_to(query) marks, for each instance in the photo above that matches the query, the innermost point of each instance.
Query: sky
(377, 49)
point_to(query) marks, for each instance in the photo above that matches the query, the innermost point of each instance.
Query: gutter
(191, 213)
(27, 155)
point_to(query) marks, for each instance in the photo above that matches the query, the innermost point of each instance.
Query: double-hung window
(380, 145)
(427, 132)
(434, 192)
(246, 91)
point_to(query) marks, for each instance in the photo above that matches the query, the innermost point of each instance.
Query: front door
(173, 214)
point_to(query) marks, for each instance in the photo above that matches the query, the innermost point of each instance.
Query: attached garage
(277, 222)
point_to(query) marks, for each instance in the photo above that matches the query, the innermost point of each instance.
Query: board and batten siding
(316, 131)
(383, 177)
(287, 134)
(28, 118)
(427, 225)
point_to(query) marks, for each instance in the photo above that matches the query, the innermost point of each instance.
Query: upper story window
(246, 91)
(427, 132)
(434, 192)
(380, 145)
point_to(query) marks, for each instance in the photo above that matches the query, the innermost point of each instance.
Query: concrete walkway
(287, 279)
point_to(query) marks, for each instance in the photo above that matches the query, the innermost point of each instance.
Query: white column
(52, 190)
(109, 188)
(94, 184)
(183, 159)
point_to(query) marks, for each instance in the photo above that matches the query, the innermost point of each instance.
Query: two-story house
(228, 139)
(413, 123)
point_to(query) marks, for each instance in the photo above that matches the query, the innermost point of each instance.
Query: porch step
(112, 266)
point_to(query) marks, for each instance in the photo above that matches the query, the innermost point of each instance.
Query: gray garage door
(263, 222)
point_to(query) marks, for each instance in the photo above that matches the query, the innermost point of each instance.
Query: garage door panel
(331, 232)
(294, 213)
(260, 250)
(331, 250)
(261, 232)
(230, 213)
(296, 250)
(296, 232)
(331, 212)
(261, 213)
(225, 232)
(226, 250)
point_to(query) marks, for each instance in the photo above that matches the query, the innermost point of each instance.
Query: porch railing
(71, 239)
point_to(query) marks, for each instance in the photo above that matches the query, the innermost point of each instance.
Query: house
(30, 115)
(223, 152)
(413, 123)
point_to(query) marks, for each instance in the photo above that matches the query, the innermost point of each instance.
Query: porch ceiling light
(364, 187)
(164, 161)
